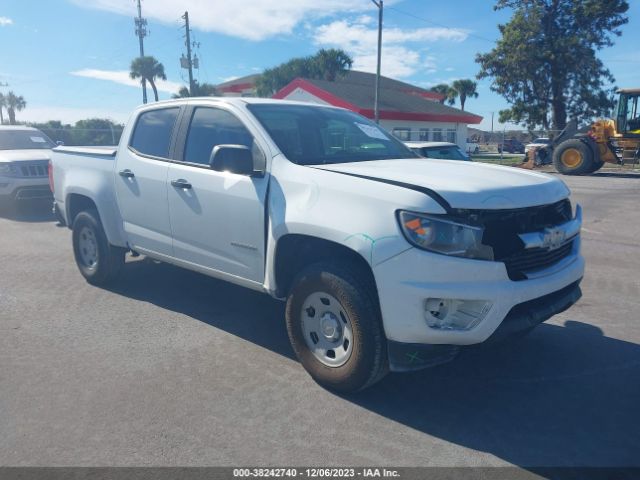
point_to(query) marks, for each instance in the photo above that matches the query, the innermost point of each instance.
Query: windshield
(23, 140)
(312, 135)
(445, 153)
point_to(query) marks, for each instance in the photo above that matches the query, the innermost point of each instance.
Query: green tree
(545, 63)
(446, 90)
(201, 90)
(329, 64)
(325, 65)
(96, 131)
(464, 89)
(56, 131)
(149, 69)
(14, 103)
(3, 104)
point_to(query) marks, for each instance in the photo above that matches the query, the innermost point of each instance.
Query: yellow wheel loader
(605, 141)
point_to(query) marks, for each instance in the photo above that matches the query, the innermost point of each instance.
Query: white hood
(466, 184)
(25, 155)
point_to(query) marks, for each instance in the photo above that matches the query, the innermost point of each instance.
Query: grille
(501, 233)
(533, 259)
(34, 170)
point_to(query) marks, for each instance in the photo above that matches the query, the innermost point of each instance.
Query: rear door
(141, 180)
(217, 218)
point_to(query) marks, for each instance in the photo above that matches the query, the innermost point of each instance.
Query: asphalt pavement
(169, 367)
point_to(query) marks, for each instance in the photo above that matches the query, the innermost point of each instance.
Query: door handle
(180, 183)
(126, 173)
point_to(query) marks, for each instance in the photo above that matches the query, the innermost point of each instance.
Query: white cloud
(250, 19)
(4, 21)
(360, 39)
(122, 77)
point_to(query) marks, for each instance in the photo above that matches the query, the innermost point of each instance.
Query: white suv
(24, 160)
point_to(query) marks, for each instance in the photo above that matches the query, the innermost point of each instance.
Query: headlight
(7, 169)
(444, 236)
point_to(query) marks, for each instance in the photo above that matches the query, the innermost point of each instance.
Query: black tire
(8, 205)
(109, 259)
(367, 362)
(597, 165)
(573, 157)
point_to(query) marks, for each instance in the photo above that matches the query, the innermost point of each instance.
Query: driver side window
(210, 127)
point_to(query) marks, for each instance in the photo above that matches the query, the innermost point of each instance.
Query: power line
(431, 22)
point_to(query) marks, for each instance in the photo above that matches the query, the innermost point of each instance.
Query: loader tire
(574, 157)
(597, 165)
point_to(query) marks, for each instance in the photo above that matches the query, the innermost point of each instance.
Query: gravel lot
(173, 368)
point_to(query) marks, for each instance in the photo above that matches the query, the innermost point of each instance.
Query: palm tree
(465, 89)
(149, 69)
(331, 63)
(14, 102)
(449, 94)
(201, 90)
(324, 65)
(3, 103)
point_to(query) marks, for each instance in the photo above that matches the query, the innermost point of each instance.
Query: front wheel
(573, 157)
(334, 326)
(98, 261)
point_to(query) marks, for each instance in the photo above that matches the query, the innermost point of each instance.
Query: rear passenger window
(152, 134)
(210, 127)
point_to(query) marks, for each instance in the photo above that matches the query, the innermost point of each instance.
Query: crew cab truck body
(386, 261)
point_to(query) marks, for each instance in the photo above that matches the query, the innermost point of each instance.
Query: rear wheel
(334, 325)
(597, 165)
(98, 261)
(573, 157)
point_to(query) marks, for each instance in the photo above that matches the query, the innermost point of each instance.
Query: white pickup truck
(386, 261)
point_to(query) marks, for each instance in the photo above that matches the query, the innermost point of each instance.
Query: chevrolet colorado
(386, 261)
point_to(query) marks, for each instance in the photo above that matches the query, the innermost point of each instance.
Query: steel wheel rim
(571, 157)
(88, 247)
(327, 329)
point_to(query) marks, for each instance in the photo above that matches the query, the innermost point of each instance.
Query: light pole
(376, 112)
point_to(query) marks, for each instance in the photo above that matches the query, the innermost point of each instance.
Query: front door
(217, 218)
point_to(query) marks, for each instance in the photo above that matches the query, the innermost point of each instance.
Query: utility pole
(376, 111)
(188, 61)
(141, 32)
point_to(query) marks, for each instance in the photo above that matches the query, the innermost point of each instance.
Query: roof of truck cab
(232, 101)
(629, 90)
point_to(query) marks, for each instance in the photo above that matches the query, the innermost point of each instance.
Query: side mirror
(232, 158)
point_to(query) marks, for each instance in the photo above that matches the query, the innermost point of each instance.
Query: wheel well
(77, 203)
(294, 252)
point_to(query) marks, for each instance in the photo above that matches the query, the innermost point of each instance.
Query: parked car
(511, 145)
(441, 150)
(385, 261)
(537, 143)
(24, 158)
(472, 147)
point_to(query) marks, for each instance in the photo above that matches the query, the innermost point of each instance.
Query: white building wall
(414, 127)
(301, 95)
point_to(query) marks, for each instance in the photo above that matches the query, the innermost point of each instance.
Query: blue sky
(70, 58)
